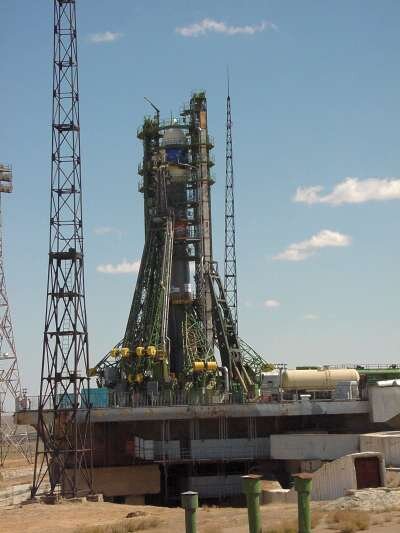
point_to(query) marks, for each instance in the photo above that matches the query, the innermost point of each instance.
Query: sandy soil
(69, 517)
(16, 471)
(72, 516)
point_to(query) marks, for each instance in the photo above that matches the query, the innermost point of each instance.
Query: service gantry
(179, 314)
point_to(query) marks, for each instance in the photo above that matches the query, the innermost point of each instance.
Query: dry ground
(16, 471)
(77, 517)
(81, 517)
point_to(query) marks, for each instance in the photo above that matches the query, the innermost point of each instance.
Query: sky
(315, 91)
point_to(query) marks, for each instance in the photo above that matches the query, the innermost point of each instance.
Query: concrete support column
(303, 486)
(252, 489)
(190, 502)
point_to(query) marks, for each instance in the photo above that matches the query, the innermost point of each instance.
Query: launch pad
(182, 401)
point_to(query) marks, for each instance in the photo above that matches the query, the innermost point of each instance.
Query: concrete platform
(187, 412)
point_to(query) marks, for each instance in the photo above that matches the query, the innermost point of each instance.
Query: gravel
(380, 499)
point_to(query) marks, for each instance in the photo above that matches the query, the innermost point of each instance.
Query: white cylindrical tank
(388, 383)
(314, 380)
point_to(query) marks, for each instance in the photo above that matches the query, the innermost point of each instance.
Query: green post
(190, 502)
(252, 489)
(303, 485)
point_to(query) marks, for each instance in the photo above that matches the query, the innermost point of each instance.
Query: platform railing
(103, 398)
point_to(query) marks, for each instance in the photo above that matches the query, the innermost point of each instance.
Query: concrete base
(385, 442)
(122, 480)
(333, 479)
(127, 414)
(311, 446)
(134, 500)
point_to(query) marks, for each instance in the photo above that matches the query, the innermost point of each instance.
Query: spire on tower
(230, 278)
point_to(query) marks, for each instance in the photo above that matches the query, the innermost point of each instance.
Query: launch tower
(179, 314)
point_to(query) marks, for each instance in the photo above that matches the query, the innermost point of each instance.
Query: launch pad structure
(182, 401)
(179, 312)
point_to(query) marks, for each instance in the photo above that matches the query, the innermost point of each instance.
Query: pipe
(252, 489)
(239, 376)
(303, 485)
(225, 373)
(249, 381)
(190, 502)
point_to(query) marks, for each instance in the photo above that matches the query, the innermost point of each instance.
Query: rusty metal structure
(180, 312)
(64, 389)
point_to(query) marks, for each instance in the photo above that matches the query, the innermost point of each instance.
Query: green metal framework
(163, 325)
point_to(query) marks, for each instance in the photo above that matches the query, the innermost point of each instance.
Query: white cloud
(105, 37)
(272, 303)
(304, 249)
(121, 268)
(351, 191)
(214, 26)
(107, 230)
(310, 316)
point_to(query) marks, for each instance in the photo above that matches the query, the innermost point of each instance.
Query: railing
(115, 400)
(367, 366)
(239, 449)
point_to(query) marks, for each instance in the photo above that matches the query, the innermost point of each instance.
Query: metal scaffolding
(168, 351)
(67, 453)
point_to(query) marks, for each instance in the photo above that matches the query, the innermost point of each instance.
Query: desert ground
(99, 517)
(92, 517)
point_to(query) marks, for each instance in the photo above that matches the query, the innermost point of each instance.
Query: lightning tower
(230, 279)
(10, 385)
(63, 412)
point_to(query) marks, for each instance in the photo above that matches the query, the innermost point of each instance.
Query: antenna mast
(63, 412)
(230, 278)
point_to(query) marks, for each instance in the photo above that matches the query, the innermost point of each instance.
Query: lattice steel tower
(230, 278)
(64, 414)
(10, 385)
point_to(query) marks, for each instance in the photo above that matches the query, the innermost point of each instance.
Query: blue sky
(315, 96)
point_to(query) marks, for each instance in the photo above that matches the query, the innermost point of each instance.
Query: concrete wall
(384, 403)
(215, 486)
(230, 448)
(170, 449)
(385, 442)
(126, 480)
(333, 479)
(309, 446)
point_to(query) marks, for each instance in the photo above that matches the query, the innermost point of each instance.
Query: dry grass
(291, 526)
(316, 517)
(211, 529)
(284, 527)
(125, 526)
(349, 521)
